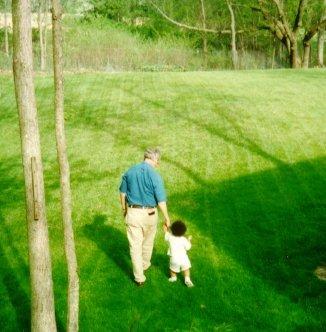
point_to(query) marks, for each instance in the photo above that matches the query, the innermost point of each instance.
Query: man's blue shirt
(143, 185)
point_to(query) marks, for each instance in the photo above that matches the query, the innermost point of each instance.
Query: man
(141, 191)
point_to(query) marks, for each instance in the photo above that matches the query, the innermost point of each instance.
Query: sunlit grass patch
(244, 166)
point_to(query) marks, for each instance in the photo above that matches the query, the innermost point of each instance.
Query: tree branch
(275, 25)
(313, 30)
(186, 26)
(283, 18)
(298, 20)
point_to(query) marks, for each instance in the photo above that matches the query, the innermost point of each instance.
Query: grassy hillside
(244, 166)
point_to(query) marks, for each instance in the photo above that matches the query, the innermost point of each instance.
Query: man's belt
(135, 206)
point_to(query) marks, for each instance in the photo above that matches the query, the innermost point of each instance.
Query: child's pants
(141, 230)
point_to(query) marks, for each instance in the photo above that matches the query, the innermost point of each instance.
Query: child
(178, 246)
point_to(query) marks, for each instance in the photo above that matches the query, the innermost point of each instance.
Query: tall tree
(220, 30)
(234, 51)
(278, 15)
(42, 27)
(42, 300)
(203, 16)
(320, 47)
(316, 23)
(73, 280)
(277, 21)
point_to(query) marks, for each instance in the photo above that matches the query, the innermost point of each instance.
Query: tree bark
(320, 47)
(321, 40)
(6, 29)
(307, 40)
(294, 60)
(273, 54)
(42, 299)
(45, 17)
(234, 51)
(306, 55)
(279, 25)
(42, 31)
(73, 280)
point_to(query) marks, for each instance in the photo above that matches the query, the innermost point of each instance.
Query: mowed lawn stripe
(244, 166)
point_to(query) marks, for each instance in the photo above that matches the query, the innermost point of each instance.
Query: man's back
(143, 185)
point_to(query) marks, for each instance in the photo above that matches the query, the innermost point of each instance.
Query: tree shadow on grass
(114, 244)
(272, 222)
(13, 279)
(16, 295)
(11, 194)
(111, 241)
(227, 128)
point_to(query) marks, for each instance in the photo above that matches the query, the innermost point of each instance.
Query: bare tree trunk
(306, 54)
(294, 60)
(41, 17)
(6, 30)
(73, 280)
(203, 14)
(321, 41)
(233, 37)
(273, 53)
(40, 30)
(45, 18)
(42, 300)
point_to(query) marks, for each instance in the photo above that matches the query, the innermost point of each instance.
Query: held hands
(167, 222)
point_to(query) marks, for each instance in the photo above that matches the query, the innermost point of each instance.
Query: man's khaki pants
(141, 230)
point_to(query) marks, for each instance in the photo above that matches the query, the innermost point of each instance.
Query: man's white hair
(152, 153)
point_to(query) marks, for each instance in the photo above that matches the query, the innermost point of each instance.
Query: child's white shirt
(178, 246)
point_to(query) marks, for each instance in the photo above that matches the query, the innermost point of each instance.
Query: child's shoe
(173, 279)
(189, 283)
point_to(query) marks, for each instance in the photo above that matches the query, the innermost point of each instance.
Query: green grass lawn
(244, 165)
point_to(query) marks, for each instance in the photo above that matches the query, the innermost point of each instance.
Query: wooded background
(157, 35)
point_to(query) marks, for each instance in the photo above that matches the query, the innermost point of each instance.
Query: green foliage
(250, 22)
(244, 166)
(116, 9)
(101, 44)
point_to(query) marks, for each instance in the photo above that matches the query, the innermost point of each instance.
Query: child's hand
(190, 237)
(165, 228)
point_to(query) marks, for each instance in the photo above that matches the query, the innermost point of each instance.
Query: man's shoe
(140, 283)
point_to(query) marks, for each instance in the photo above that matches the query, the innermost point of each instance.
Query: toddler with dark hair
(178, 247)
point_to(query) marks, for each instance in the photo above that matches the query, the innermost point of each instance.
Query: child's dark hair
(178, 228)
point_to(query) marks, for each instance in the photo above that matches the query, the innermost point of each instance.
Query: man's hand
(165, 228)
(123, 203)
(163, 208)
(167, 223)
